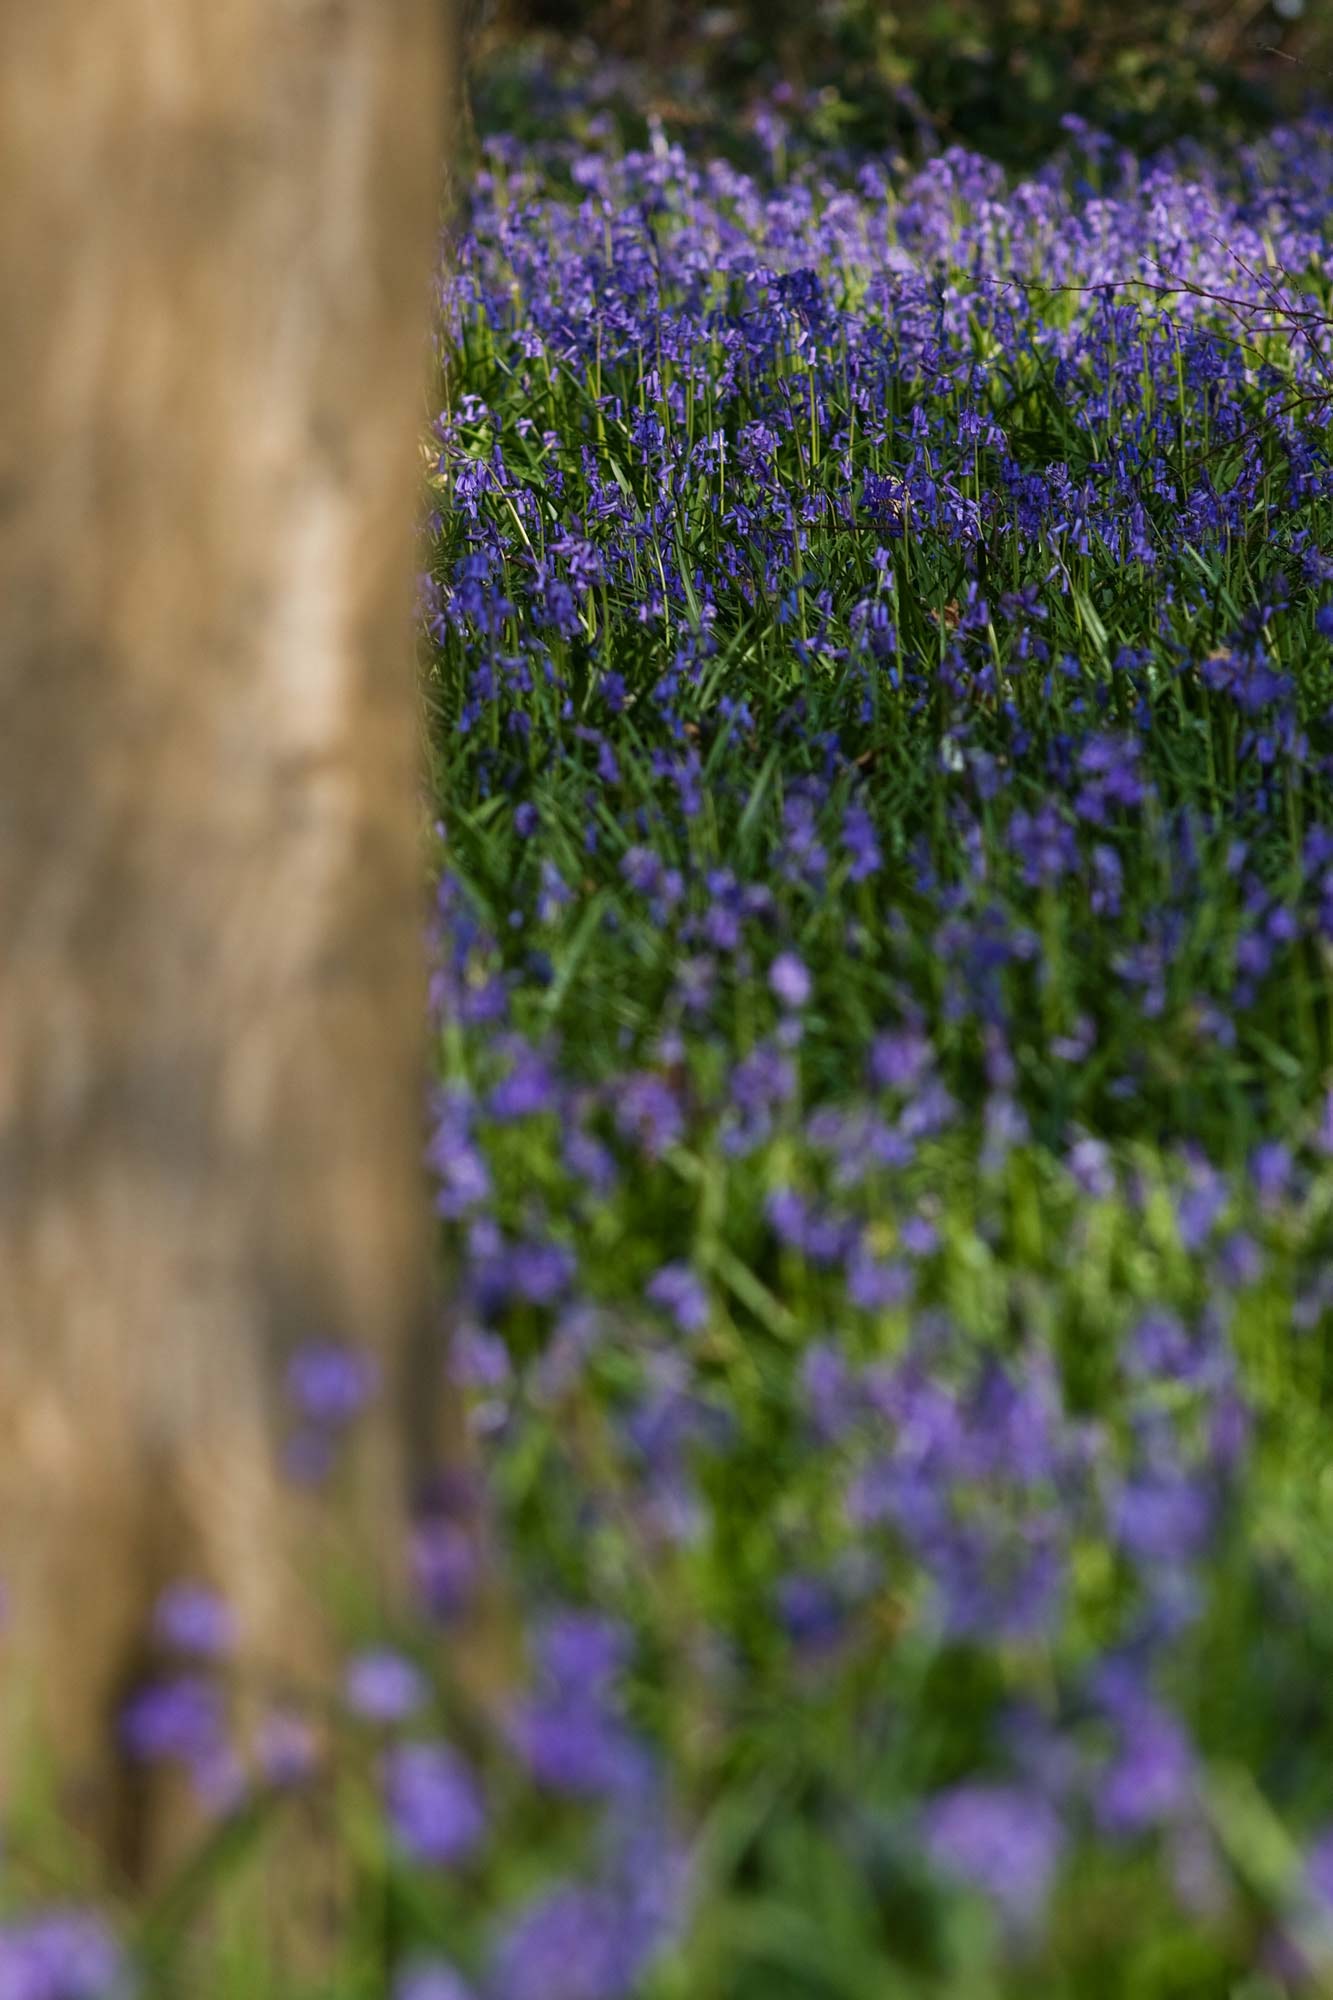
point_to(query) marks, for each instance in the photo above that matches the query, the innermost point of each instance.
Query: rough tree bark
(217, 229)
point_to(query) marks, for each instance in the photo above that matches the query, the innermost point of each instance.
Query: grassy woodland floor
(881, 672)
(884, 704)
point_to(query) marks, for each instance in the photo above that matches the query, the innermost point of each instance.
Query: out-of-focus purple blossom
(1077, 1044)
(811, 1611)
(1162, 1515)
(537, 1272)
(589, 1161)
(483, 1001)
(861, 843)
(529, 1089)
(822, 1237)
(455, 1157)
(1229, 1432)
(1152, 1776)
(899, 1059)
(62, 1954)
(181, 1721)
(193, 1619)
(679, 1291)
(434, 1805)
(1271, 1168)
(648, 1113)
(1003, 1840)
(877, 1284)
(1045, 844)
(479, 1359)
(1159, 1347)
(331, 1384)
(1240, 1260)
(919, 1236)
(569, 1946)
(430, 1979)
(789, 980)
(1090, 1166)
(570, 1730)
(828, 1390)
(1200, 1206)
(382, 1686)
(1014, 1423)
(999, 1582)
(1112, 781)
(554, 893)
(571, 1744)
(762, 1081)
(580, 1650)
(591, 1941)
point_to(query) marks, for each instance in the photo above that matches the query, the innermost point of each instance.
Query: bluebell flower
(191, 1618)
(430, 1979)
(789, 980)
(1003, 1840)
(331, 1384)
(382, 1686)
(182, 1720)
(678, 1291)
(433, 1803)
(62, 1954)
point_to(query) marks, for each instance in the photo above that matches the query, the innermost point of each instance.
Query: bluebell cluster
(882, 949)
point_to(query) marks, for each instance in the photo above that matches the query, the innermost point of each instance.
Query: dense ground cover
(882, 692)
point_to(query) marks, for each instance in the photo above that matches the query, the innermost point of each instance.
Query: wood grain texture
(217, 230)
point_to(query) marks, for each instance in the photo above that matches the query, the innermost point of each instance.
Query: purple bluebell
(430, 1979)
(382, 1686)
(433, 1803)
(1152, 1776)
(331, 1384)
(789, 980)
(1003, 1840)
(181, 1720)
(192, 1619)
(679, 1291)
(62, 1954)
(578, 1942)
(648, 1113)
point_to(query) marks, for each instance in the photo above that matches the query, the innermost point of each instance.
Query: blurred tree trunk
(218, 230)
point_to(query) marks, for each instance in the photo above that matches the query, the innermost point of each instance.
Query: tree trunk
(217, 235)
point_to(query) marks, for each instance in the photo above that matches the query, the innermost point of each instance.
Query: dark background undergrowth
(996, 75)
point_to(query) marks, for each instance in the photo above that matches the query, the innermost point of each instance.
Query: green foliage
(998, 75)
